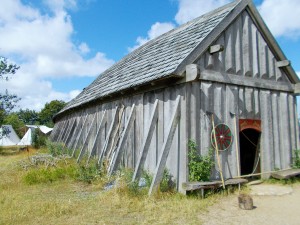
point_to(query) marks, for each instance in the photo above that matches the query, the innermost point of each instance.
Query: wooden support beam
(146, 143)
(65, 130)
(76, 131)
(166, 148)
(88, 136)
(61, 131)
(117, 156)
(72, 127)
(102, 123)
(192, 72)
(216, 48)
(297, 89)
(283, 63)
(79, 134)
(55, 131)
(109, 137)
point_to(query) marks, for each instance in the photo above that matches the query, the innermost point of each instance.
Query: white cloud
(84, 48)
(282, 17)
(190, 9)
(155, 30)
(41, 43)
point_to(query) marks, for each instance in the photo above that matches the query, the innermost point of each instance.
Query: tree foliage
(7, 68)
(17, 124)
(50, 109)
(28, 116)
(7, 101)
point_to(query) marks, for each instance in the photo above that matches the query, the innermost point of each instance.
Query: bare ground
(281, 207)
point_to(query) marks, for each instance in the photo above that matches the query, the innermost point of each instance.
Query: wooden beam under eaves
(283, 63)
(216, 48)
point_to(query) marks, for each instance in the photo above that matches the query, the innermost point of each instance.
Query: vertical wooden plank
(139, 128)
(182, 175)
(285, 147)
(276, 137)
(109, 136)
(102, 123)
(241, 103)
(292, 132)
(166, 147)
(80, 131)
(255, 47)
(238, 46)
(229, 50)
(249, 102)
(87, 138)
(231, 121)
(256, 104)
(247, 51)
(206, 125)
(159, 95)
(263, 57)
(71, 132)
(266, 137)
(118, 153)
(271, 64)
(146, 143)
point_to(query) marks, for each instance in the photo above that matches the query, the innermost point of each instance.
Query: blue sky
(62, 45)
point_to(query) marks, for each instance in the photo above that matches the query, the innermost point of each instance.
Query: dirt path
(276, 209)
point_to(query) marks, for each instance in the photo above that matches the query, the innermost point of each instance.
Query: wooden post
(102, 122)
(109, 137)
(146, 143)
(217, 150)
(165, 148)
(117, 156)
(88, 136)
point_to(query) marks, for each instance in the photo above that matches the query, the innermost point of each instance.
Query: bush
(199, 166)
(57, 149)
(38, 140)
(296, 159)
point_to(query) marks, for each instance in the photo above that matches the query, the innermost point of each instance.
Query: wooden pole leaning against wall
(109, 136)
(94, 145)
(79, 134)
(88, 136)
(69, 129)
(118, 153)
(166, 148)
(146, 143)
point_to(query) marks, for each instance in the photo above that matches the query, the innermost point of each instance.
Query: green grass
(58, 195)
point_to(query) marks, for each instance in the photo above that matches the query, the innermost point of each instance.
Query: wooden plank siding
(242, 79)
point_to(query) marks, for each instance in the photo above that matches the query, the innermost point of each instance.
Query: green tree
(28, 116)
(7, 101)
(50, 109)
(17, 124)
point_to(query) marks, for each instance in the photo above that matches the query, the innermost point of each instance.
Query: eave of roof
(167, 55)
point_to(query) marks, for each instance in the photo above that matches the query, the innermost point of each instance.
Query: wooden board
(286, 174)
(189, 186)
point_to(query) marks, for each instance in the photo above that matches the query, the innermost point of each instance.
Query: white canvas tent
(8, 136)
(27, 138)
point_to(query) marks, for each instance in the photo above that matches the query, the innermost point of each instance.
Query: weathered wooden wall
(243, 79)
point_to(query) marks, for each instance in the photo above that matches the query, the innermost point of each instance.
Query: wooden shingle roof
(162, 57)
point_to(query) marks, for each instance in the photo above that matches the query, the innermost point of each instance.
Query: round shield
(223, 137)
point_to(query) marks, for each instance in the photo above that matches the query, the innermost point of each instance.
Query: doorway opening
(250, 151)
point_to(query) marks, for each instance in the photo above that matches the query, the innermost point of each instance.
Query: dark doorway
(249, 151)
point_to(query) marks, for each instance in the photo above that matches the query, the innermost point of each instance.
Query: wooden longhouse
(141, 112)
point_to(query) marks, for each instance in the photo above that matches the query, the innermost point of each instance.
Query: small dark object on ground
(245, 202)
